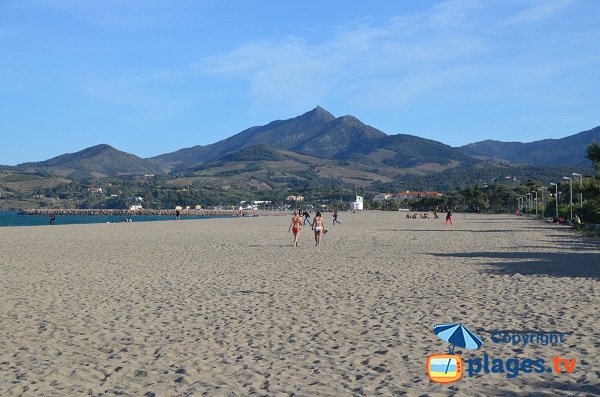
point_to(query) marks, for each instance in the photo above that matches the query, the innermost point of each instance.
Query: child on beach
(295, 226)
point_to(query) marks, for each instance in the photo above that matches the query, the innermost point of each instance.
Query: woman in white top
(318, 227)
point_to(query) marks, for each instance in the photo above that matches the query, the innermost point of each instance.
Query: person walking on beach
(52, 218)
(306, 216)
(449, 217)
(177, 215)
(318, 227)
(295, 227)
(335, 216)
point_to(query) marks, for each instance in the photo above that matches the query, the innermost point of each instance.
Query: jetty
(126, 212)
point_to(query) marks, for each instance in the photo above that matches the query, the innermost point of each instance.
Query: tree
(593, 153)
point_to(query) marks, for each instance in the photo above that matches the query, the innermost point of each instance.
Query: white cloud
(540, 11)
(451, 13)
(355, 60)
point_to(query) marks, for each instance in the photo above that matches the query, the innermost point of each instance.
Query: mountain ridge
(281, 133)
(315, 133)
(95, 161)
(319, 134)
(552, 151)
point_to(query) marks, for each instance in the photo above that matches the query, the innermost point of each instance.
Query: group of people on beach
(435, 215)
(317, 225)
(424, 215)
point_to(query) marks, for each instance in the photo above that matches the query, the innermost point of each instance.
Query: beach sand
(227, 307)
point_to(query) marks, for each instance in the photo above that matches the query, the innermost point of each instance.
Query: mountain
(317, 146)
(318, 133)
(336, 136)
(96, 161)
(406, 151)
(254, 153)
(281, 133)
(268, 168)
(570, 150)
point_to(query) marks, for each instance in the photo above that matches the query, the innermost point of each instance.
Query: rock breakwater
(123, 212)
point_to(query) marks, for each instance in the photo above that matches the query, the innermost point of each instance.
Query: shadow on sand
(587, 388)
(556, 264)
(546, 389)
(447, 230)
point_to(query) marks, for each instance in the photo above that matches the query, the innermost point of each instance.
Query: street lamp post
(571, 194)
(535, 201)
(543, 201)
(530, 202)
(581, 188)
(556, 198)
(521, 205)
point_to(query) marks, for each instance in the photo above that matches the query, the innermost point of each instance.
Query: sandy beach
(227, 307)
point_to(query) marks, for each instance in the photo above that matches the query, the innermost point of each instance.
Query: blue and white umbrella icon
(457, 335)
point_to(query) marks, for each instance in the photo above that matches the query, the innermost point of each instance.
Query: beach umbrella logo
(457, 335)
(447, 368)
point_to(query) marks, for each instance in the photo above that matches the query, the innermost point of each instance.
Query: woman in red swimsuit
(295, 227)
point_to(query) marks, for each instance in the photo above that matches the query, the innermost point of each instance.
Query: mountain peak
(320, 114)
(101, 146)
(349, 120)
(97, 149)
(96, 161)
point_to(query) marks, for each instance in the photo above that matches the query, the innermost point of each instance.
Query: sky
(149, 77)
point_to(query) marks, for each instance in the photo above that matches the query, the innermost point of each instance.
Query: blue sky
(150, 77)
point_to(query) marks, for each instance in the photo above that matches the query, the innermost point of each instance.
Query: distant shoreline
(121, 212)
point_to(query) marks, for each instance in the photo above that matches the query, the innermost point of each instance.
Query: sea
(10, 218)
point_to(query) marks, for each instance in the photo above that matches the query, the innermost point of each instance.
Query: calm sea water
(14, 219)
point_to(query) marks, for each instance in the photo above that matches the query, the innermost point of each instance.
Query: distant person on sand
(52, 218)
(449, 217)
(335, 216)
(295, 227)
(319, 228)
(306, 216)
(177, 215)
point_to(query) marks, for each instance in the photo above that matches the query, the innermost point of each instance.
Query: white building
(408, 195)
(134, 203)
(252, 205)
(357, 204)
